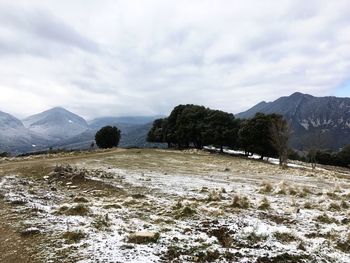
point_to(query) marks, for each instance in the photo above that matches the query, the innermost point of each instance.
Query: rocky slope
(321, 122)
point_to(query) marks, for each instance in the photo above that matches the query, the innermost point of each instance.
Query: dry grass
(264, 204)
(324, 218)
(266, 187)
(186, 211)
(73, 236)
(285, 237)
(334, 207)
(102, 222)
(241, 202)
(80, 199)
(76, 210)
(344, 244)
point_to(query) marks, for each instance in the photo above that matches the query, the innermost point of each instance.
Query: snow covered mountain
(14, 137)
(326, 119)
(60, 128)
(56, 124)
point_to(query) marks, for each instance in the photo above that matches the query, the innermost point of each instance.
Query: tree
(222, 129)
(279, 134)
(255, 135)
(158, 132)
(190, 125)
(92, 145)
(314, 143)
(195, 126)
(107, 137)
(343, 157)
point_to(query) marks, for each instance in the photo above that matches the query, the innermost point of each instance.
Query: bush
(107, 137)
(4, 154)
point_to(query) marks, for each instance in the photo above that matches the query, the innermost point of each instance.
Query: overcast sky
(144, 57)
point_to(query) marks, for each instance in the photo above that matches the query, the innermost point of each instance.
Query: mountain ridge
(309, 116)
(60, 128)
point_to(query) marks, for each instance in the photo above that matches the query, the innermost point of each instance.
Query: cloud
(145, 57)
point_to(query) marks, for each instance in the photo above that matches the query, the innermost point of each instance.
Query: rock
(30, 232)
(345, 221)
(143, 237)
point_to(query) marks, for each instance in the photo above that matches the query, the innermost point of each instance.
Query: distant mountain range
(321, 122)
(60, 128)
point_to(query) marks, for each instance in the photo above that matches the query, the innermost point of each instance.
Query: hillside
(148, 205)
(14, 137)
(56, 124)
(323, 122)
(60, 128)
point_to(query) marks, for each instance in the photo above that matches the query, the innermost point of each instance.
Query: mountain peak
(7, 120)
(299, 95)
(309, 115)
(57, 123)
(57, 109)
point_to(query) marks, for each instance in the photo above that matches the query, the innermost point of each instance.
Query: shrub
(266, 187)
(285, 237)
(107, 137)
(265, 204)
(240, 202)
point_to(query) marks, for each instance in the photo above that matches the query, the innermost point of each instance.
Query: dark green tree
(343, 157)
(195, 126)
(255, 135)
(222, 129)
(107, 137)
(189, 126)
(158, 132)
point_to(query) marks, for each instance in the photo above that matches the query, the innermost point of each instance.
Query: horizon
(143, 59)
(156, 115)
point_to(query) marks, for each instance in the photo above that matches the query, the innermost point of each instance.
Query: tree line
(326, 157)
(196, 126)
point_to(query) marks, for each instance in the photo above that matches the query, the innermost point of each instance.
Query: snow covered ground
(170, 206)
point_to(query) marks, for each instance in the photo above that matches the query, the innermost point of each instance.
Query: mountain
(14, 137)
(56, 124)
(60, 128)
(322, 122)
(132, 135)
(132, 120)
(133, 129)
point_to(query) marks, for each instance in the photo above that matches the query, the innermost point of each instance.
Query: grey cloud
(139, 57)
(45, 26)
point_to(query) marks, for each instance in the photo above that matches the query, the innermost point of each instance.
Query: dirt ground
(154, 205)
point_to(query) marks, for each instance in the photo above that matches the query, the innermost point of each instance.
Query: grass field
(148, 205)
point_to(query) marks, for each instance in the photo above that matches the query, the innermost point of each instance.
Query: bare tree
(280, 132)
(314, 143)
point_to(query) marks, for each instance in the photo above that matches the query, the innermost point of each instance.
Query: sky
(130, 57)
